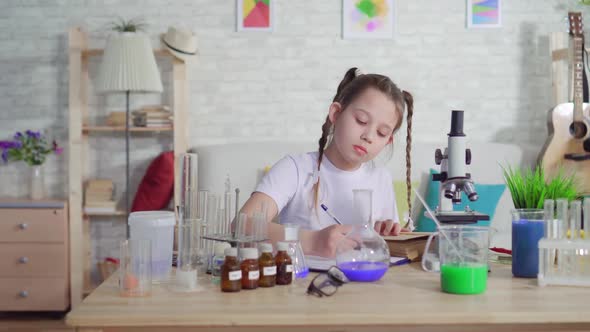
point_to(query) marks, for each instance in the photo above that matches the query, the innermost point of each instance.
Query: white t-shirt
(290, 184)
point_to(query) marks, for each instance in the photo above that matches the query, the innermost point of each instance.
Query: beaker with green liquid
(463, 258)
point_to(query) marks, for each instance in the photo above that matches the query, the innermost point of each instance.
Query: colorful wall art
(368, 19)
(484, 13)
(255, 15)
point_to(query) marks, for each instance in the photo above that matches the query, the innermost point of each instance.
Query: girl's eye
(361, 122)
(381, 134)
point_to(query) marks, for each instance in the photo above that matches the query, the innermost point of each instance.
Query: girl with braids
(365, 114)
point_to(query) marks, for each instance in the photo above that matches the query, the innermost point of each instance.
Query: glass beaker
(295, 251)
(528, 227)
(363, 255)
(135, 271)
(463, 258)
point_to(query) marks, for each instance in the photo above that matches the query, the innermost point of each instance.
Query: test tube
(575, 219)
(200, 223)
(210, 222)
(586, 225)
(240, 228)
(227, 209)
(548, 261)
(562, 216)
(576, 216)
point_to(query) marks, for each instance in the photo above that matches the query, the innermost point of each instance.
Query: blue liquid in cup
(364, 271)
(525, 247)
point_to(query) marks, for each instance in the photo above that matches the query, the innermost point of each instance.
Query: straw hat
(180, 42)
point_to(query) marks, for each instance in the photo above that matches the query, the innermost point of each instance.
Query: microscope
(454, 180)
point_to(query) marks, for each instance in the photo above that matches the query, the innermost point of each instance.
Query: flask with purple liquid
(363, 255)
(295, 251)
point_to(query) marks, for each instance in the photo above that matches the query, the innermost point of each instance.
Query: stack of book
(153, 116)
(409, 245)
(117, 119)
(99, 197)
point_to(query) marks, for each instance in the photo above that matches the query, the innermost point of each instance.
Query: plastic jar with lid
(250, 269)
(284, 264)
(268, 267)
(231, 272)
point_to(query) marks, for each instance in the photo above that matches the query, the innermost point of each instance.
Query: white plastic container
(157, 226)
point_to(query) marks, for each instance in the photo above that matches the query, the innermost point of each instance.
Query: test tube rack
(564, 252)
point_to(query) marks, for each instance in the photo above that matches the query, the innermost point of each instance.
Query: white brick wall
(253, 86)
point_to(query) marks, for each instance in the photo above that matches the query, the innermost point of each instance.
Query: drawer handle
(23, 226)
(23, 260)
(23, 293)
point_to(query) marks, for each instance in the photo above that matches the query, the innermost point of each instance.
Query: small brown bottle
(284, 264)
(250, 269)
(268, 267)
(231, 273)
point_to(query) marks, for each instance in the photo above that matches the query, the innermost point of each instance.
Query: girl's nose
(365, 137)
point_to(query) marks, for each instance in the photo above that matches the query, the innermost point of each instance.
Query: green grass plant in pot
(529, 190)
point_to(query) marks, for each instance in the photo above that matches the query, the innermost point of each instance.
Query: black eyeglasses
(326, 284)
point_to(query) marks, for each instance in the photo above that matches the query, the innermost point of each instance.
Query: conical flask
(363, 255)
(300, 268)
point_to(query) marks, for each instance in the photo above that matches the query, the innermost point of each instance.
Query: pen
(325, 208)
(401, 262)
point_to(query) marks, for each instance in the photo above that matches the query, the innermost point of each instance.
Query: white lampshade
(129, 65)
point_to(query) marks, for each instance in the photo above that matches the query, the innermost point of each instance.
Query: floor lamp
(128, 65)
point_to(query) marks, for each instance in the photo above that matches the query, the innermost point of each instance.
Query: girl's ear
(334, 111)
(390, 139)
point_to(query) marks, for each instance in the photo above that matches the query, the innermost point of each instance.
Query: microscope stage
(460, 217)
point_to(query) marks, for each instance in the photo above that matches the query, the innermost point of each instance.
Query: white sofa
(245, 163)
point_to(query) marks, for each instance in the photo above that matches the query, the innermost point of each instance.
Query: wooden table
(406, 299)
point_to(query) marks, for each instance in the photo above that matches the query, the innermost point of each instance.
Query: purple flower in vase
(33, 134)
(5, 146)
(18, 135)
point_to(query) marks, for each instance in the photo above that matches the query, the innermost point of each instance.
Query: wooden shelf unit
(89, 129)
(79, 54)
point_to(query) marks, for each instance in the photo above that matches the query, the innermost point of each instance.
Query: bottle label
(269, 271)
(289, 268)
(235, 275)
(254, 275)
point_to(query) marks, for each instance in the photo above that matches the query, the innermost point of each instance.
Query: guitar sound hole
(578, 129)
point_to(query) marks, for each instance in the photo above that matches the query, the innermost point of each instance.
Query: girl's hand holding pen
(326, 240)
(388, 227)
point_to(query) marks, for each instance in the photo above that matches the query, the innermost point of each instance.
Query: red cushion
(157, 186)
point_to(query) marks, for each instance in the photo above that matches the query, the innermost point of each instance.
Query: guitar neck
(578, 78)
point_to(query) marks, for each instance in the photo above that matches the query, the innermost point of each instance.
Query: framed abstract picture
(255, 15)
(373, 19)
(484, 13)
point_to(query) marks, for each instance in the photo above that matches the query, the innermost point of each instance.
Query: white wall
(263, 86)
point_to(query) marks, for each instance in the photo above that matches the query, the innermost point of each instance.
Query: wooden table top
(405, 297)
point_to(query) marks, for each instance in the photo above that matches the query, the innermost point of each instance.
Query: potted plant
(529, 190)
(32, 148)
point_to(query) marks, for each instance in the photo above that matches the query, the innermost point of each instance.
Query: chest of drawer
(34, 294)
(33, 260)
(33, 225)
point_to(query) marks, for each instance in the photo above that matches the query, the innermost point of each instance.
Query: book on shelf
(103, 204)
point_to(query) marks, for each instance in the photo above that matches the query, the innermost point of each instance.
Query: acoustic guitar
(568, 145)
